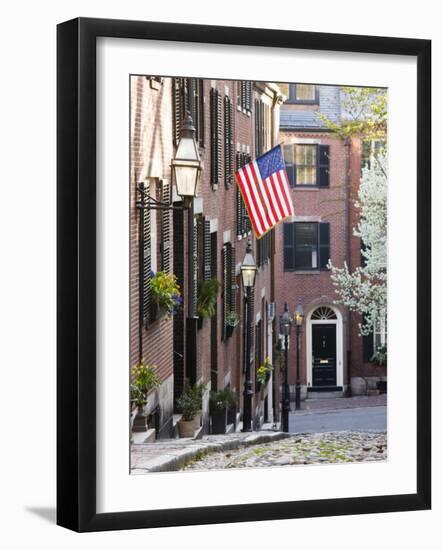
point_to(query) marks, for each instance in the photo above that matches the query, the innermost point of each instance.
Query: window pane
(305, 175)
(306, 155)
(303, 259)
(310, 155)
(306, 234)
(305, 92)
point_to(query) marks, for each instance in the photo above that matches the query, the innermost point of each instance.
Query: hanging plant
(232, 319)
(166, 292)
(263, 372)
(207, 296)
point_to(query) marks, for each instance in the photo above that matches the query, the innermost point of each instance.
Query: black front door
(324, 355)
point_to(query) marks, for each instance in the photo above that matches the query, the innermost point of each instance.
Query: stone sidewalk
(310, 406)
(173, 454)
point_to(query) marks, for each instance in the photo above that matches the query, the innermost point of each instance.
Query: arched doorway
(324, 349)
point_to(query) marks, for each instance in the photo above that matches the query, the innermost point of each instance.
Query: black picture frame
(76, 274)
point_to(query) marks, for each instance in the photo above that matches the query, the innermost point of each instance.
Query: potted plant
(144, 380)
(232, 320)
(219, 402)
(207, 297)
(189, 404)
(166, 294)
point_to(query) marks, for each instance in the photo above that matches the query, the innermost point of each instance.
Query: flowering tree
(365, 289)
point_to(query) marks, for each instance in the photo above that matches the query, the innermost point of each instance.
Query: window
(305, 158)
(264, 249)
(303, 93)
(307, 165)
(376, 339)
(189, 96)
(380, 334)
(306, 246)
(245, 96)
(263, 127)
(370, 151)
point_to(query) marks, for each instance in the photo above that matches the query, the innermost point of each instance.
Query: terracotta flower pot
(186, 428)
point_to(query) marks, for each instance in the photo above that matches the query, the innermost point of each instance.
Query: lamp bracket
(146, 200)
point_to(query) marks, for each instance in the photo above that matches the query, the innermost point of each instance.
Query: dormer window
(303, 93)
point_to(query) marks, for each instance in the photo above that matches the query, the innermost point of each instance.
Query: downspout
(347, 145)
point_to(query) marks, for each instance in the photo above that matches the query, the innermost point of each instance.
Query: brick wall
(151, 150)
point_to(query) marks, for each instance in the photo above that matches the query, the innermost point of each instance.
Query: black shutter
(215, 137)
(289, 246)
(146, 247)
(248, 95)
(165, 228)
(207, 254)
(258, 128)
(195, 267)
(201, 117)
(224, 264)
(228, 141)
(252, 321)
(324, 245)
(178, 108)
(324, 165)
(233, 286)
(238, 199)
(289, 160)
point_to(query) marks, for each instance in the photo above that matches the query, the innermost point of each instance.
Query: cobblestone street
(325, 448)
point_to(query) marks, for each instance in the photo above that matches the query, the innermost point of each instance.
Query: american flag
(264, 187)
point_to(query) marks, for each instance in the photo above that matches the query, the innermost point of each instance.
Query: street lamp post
(299, 317)
(248, 275)
(285, 324)
(187, 168)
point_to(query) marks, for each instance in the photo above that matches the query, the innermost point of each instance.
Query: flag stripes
(264, 187)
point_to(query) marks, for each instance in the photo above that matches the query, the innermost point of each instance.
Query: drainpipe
(347, 145)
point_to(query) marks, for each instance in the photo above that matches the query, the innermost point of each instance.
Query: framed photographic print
(243, 274)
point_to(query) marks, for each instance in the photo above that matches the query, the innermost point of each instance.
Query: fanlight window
(323, 314)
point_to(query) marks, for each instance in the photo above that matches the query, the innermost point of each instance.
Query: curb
(174, 462)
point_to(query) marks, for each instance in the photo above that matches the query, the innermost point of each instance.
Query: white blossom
(365, 289)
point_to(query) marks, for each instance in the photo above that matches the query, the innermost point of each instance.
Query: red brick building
(234, 122)
(324, 172)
